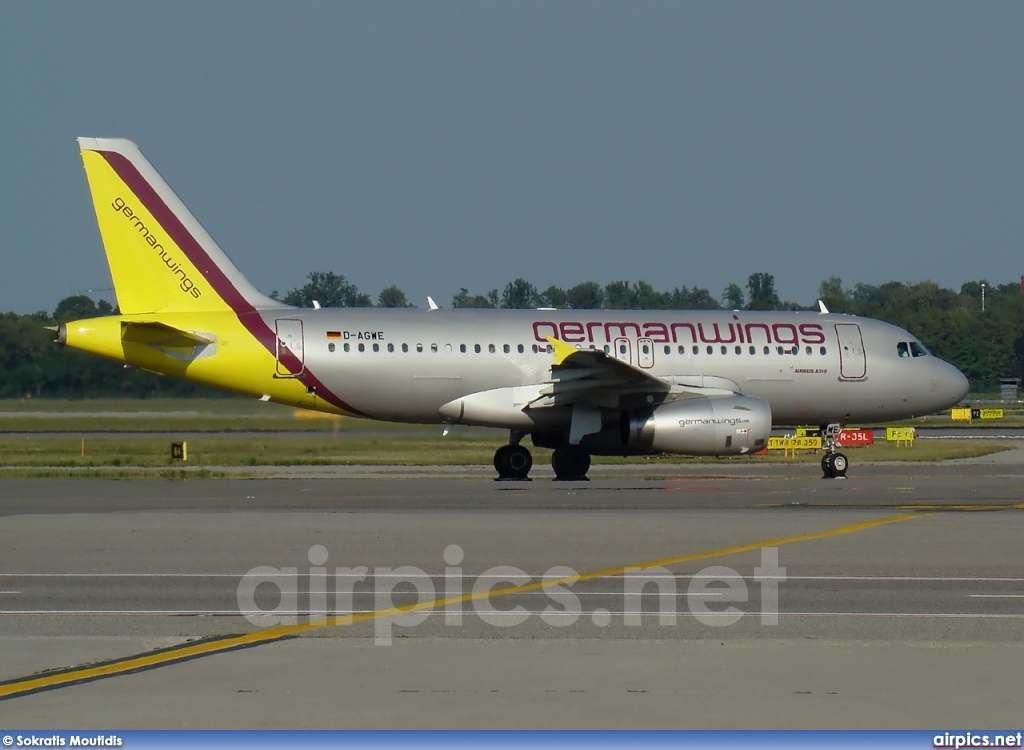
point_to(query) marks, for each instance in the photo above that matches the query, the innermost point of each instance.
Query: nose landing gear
(833, 466)
(833, 463)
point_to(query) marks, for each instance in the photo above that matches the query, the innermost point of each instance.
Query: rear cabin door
(853, 361)
(290, 359)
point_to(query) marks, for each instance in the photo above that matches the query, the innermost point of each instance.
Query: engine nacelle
(712, 426)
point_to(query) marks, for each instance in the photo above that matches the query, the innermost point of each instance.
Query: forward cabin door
(290, 358)
(853, 361)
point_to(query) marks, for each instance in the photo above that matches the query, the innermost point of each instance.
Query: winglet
(821, 307)
(562, 350)
(431, 304)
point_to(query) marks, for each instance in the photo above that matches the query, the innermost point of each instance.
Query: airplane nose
(953, 384)
(959, 385)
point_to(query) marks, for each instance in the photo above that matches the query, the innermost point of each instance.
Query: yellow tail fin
(160, 257)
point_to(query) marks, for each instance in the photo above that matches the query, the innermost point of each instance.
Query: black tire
(834, 465)
(571, 463)
(513, 462)
(501, 464)
(519, 461)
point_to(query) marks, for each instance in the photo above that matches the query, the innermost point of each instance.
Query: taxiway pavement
(707, 598)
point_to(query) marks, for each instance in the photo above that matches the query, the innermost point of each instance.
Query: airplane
(581, 382)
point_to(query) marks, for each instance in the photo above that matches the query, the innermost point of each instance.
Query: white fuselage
(812, 368)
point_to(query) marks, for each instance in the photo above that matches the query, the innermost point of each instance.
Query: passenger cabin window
(362, 348)
(476, 348)
(405, 347)
(391, 347)
(462, 348)
(521, 348)
(419, 347)
(506, 348)
(490, 348)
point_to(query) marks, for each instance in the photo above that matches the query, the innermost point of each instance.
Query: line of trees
(985, 344)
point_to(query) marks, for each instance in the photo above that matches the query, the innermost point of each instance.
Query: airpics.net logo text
(408, 596)
(185, 283)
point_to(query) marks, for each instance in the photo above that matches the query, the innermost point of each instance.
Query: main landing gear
(833, 463)
(514, 461)
(571, 464)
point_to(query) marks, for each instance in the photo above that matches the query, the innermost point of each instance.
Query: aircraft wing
(589, 376)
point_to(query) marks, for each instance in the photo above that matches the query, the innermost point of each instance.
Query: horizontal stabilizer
(162, 335)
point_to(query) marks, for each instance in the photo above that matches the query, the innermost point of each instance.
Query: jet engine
(710, 426)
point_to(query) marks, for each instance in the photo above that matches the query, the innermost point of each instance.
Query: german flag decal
(334, 334)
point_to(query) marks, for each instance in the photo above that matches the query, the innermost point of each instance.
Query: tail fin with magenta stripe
(160, 257)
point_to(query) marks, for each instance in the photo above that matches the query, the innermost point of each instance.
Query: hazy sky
(436, 145)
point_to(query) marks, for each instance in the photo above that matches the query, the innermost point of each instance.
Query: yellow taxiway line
(220, 644)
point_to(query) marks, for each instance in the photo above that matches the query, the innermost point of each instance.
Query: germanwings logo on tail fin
(186, 284)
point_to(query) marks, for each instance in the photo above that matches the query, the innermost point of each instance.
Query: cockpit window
(911, 349)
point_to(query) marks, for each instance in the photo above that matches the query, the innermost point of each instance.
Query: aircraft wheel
(834, 465)
(513, 462)
(571, 463)
(839, 464)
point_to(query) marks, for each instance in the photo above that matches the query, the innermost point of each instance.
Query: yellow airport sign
(900, 435)
(794, 444)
